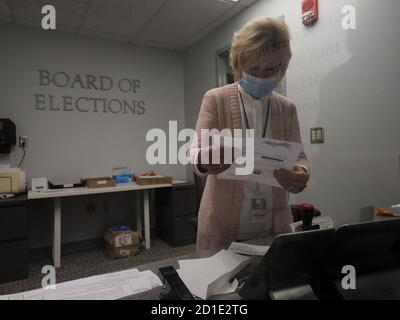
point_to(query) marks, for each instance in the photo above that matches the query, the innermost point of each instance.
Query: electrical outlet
(23, 141)
(317, 135)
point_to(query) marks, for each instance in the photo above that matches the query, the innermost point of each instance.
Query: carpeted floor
(92, 262)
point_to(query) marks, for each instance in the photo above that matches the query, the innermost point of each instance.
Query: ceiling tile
(246, 3)
(179, 20)
(172, 24)
(208, 28)
(34, 24)
(119, 17)
(165, 45)
(69, 13)
(4, 10)
(242, 3)
(106, 35)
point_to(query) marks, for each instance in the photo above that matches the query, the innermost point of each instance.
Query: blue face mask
(257, 87)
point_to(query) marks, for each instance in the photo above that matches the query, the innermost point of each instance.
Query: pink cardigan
(219, 213)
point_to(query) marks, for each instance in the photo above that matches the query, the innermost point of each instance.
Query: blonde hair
(258, 38)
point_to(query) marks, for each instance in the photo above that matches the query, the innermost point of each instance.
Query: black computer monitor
(373, 249)
(293, 259)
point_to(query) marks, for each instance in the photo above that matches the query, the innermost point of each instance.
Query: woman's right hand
(209, 167)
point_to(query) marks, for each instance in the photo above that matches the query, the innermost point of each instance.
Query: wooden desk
(58, 194)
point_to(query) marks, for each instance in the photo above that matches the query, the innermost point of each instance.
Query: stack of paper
(109, 286)
(209, 276)
(248, 249)
(178, 181)
(396, 210)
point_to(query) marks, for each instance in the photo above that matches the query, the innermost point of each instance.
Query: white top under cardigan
(256, 111)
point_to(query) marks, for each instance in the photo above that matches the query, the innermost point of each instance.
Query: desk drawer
(13, 223)
(183, 231)
(184, 202)
(14, 261)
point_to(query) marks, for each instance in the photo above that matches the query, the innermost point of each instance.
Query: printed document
(269, 155)
(109, 286)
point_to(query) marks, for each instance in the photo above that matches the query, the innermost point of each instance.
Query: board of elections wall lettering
(96, 100)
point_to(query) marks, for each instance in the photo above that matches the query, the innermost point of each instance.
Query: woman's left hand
(294, 180)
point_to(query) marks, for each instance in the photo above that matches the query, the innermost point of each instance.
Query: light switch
(317, 135)
(313, 136)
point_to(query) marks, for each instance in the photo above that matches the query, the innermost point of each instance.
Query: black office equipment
(293, 260)
(373, 249)
(175, 207)
(7, 135)
(310, 264)
(173, 286)
(14, 239)
(297, 214)
(66, 185)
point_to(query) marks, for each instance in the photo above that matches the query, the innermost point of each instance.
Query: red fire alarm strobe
(309, 11)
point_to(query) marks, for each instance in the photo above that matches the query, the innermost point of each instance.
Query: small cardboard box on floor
(120, 241)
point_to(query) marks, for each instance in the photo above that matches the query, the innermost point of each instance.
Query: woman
(235, 210)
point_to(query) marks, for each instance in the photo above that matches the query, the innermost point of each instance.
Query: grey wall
(344, 81)
(68, 145)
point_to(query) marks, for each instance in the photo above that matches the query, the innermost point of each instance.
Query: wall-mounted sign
(88, 103)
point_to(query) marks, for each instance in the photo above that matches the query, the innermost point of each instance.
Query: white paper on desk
(109, 286)
(139, 281)
(152, 278)
(228, 287)
(248, 249)
(37, 294)
(191, 262)
(91, 289)
(269, 154)
(11, 297)
(16, 296)
(104, 287)
(211, 276)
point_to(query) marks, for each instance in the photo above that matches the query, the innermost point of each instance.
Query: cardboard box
(100, 182)
(121, 238)
(147, 180)
(120, 241)
(122, 252)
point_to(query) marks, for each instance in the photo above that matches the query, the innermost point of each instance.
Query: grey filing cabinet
(175, 207)
(14, 238)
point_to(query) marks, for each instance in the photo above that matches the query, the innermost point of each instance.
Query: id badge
(258, 210)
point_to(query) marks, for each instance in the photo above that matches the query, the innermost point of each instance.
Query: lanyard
(245, 115)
